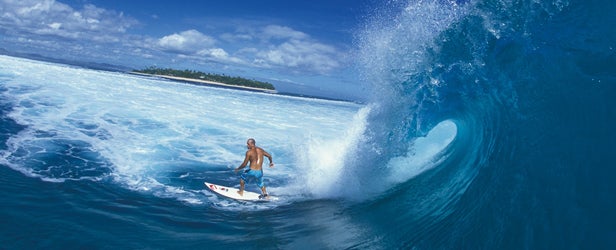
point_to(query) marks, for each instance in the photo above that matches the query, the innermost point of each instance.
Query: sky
(301, 46)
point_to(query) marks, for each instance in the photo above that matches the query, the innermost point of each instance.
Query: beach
(205, 82)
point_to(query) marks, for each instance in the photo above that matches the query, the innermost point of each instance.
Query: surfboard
(230, 192)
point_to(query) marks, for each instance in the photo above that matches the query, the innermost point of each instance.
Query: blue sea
(490, 125)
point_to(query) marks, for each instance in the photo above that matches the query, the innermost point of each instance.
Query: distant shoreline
(206, 83)
(223, 85)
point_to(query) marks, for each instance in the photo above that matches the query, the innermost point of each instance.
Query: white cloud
(54, 27)
(194, 45)
(304, 55)
(289, 48)
(275, 46)
(48, 17)
(219, 55)
(282, 32)
(187, 42)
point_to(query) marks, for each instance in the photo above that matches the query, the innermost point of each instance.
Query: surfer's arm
(243, 163)
(269, 157)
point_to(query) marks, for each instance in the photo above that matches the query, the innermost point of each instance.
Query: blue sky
(307, 45)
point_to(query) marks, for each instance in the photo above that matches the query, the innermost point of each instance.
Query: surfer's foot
(241, 192)
(263, 196)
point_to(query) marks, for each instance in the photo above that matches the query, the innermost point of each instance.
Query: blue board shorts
(253, 174)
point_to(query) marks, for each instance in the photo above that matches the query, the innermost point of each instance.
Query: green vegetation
(238, 81)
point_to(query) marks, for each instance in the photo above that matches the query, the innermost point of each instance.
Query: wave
(409, 128)
(504, 72)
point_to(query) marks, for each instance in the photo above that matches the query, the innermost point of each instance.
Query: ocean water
(490, 126)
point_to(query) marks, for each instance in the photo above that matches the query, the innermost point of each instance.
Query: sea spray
(395, 56)
(324, 160)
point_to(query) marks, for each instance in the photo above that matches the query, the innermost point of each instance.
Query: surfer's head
(251, 142)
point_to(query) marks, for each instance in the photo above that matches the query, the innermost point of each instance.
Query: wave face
(529, 86)
(490, 127)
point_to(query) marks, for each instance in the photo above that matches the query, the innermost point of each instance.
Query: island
(197, 77)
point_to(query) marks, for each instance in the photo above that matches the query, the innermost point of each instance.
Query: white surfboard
(232, 193)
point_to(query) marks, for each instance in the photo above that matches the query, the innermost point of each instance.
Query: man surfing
(254, 155)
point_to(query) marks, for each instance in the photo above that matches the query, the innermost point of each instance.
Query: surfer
(254, 155)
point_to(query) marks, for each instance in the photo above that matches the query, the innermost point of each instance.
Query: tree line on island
(192, 74)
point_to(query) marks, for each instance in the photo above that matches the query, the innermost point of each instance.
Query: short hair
(250, 140)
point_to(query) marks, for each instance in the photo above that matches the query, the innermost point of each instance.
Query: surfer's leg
(241, 192)
(263, 193)
(259, 177)
(243, 179)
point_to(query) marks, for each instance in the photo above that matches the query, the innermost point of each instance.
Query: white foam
(324, 159)
(143, 128)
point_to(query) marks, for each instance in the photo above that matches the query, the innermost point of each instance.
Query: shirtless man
(254, 155)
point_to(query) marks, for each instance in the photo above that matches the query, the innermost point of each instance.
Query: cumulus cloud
(187, 42)
(194, 45)
(48, 17)
(219, 55)
(289, 48)
(282, 32)
(282, 47)
(307, 55)
(54, 27)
